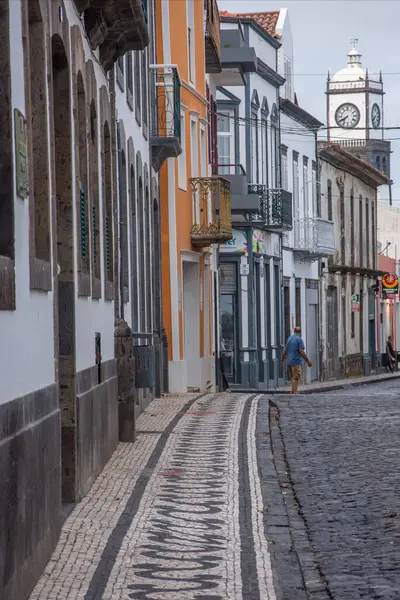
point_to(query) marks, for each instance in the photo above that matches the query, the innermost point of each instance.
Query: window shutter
(108, 244)
(228, 278)
(94, 228)
(83, 216)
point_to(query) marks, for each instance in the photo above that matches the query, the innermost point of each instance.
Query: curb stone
(323, 388)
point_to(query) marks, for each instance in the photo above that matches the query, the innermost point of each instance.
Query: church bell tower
(355, 112)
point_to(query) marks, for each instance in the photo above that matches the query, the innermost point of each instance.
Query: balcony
(166, 110)
(212, 37)
(275, 208)
(211, 209)
(313, 239)
(236, 59)
(241, 200)
(115, 27)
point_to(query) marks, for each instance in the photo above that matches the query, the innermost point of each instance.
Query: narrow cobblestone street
(242, 497)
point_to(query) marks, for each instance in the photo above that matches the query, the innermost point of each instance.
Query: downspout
(114, 193)
(121, 229)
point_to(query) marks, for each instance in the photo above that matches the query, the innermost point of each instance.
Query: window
(94, 202)
(373, 238)
(342, 227)
(274, 154)
(145, 80)
(39, 197)
(361, 231)
(367, 231)
(306, 207)
(330, 207)
(182, 157)
(285, 177)
(142, 246)
(316, 200)
(129, 79)
(148, 255)
(288, 76)
(225, 136)
(254, 148)
(378, 163)
(384, 165)
(123, 216)
(138, 91)
(190, 40)
(194, 156)
(352, 236)
(203, 153)
(296, 196)
(266, 152)
(212, 132)
(134, 249)
(120, 71)
(108, 218)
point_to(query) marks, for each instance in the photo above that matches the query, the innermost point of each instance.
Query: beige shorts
(295, 372)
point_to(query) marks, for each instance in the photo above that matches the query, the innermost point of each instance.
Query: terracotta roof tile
(266, 20)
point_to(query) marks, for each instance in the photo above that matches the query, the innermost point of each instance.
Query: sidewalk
(177, 515)
(318, 387)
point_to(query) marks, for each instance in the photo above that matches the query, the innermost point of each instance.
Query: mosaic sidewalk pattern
(175, 516)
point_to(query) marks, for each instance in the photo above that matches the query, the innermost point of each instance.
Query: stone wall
(97, 422)
(30, 484)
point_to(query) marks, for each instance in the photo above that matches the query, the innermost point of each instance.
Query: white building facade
(251, 264)
(60, 260)
(349, 279)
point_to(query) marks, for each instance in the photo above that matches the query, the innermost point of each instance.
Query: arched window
(83, 213)
(134, 249)
(330, 207)
(37, 116)
(142, 245)
(378, 163)
(94, 202)
(124, 227)
(149, 260)
(107, 211)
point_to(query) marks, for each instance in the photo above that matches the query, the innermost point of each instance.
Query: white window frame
(182, 173)
(191, 42)
(194, 159)
(229, 113)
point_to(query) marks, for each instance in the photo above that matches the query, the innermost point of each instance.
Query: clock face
(347, 116)
(375, 116)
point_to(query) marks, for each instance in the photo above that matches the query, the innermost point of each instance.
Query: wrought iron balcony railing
(166, 113)
(212, 37)
(275, 207)
(313, 238)
(211, 209)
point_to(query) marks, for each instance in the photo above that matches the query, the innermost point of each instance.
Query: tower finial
(354, 42)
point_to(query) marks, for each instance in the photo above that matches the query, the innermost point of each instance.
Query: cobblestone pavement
(337, 457)
(179, 515)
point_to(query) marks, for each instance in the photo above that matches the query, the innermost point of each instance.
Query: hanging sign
(390, 283)
(244, 269)
(355, 303)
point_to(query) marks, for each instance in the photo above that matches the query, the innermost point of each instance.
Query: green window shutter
(83, 215)
(94, 226)
(108, 244)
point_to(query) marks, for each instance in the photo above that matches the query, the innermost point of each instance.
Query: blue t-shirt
(293, 347)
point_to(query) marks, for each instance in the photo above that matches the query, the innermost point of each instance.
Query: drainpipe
(121, 229)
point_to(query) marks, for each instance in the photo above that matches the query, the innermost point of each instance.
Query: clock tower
(355, 112)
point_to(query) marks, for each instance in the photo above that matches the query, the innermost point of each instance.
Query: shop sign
(355, 303)
(390, 283)
(238, 243)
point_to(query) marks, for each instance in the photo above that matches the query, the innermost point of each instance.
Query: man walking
(295, 353)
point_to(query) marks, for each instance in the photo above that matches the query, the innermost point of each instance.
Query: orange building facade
(188, 195)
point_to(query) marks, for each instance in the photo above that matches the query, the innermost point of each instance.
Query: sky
(322, 30)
